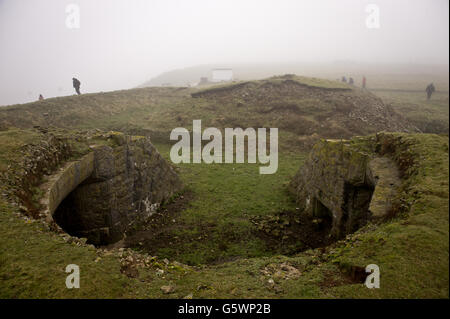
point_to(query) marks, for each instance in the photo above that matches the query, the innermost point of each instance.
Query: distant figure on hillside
(364, 82)
(344, 79)
(430, 90)
(41, 97)
(350, 81)
(203, 80)
(76, 85)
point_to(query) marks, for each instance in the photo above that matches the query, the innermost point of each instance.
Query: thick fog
(113, 44)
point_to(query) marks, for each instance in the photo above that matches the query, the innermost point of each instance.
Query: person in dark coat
(364, 82)
(76, 85)
(430, 90)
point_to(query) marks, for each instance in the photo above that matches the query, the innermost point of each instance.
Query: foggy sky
(121, 44)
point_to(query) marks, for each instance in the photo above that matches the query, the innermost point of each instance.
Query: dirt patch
(335, 279)
(129, 271)
(166, 234)
(353, 274)
(289, 232)
(153, 234)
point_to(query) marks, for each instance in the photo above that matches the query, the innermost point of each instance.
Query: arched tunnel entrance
(104, 200)
(355, 207)
(79, 196)
(84, 214)
(109, 190)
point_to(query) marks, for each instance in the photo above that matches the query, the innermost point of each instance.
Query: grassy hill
(303, 109)
(379, 76)
(401, 86)
(430, 116)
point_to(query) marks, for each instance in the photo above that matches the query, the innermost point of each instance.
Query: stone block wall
(128, 182)
(336, 182)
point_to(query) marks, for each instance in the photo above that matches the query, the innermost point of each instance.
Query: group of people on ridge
(430, 89)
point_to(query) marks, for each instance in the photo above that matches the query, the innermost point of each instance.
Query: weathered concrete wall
(336, 181)
(109, 190)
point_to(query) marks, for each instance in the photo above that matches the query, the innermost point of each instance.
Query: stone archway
(109, 190)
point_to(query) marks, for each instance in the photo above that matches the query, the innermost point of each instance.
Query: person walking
(76, 85)
(430, 90)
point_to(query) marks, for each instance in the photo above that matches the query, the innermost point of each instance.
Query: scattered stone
(168, 289)
(281, 271)
(202, 287)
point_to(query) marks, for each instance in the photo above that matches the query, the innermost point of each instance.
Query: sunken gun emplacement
(336, 185)
(107, 192)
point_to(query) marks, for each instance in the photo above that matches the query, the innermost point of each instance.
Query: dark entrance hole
(86, 213)
(355, 209)
(323, 214)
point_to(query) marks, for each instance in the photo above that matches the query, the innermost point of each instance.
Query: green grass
(33, 262)
(226, 196)
(273, 102)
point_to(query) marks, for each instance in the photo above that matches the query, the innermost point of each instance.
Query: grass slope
(430, 116)
(302, 108)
